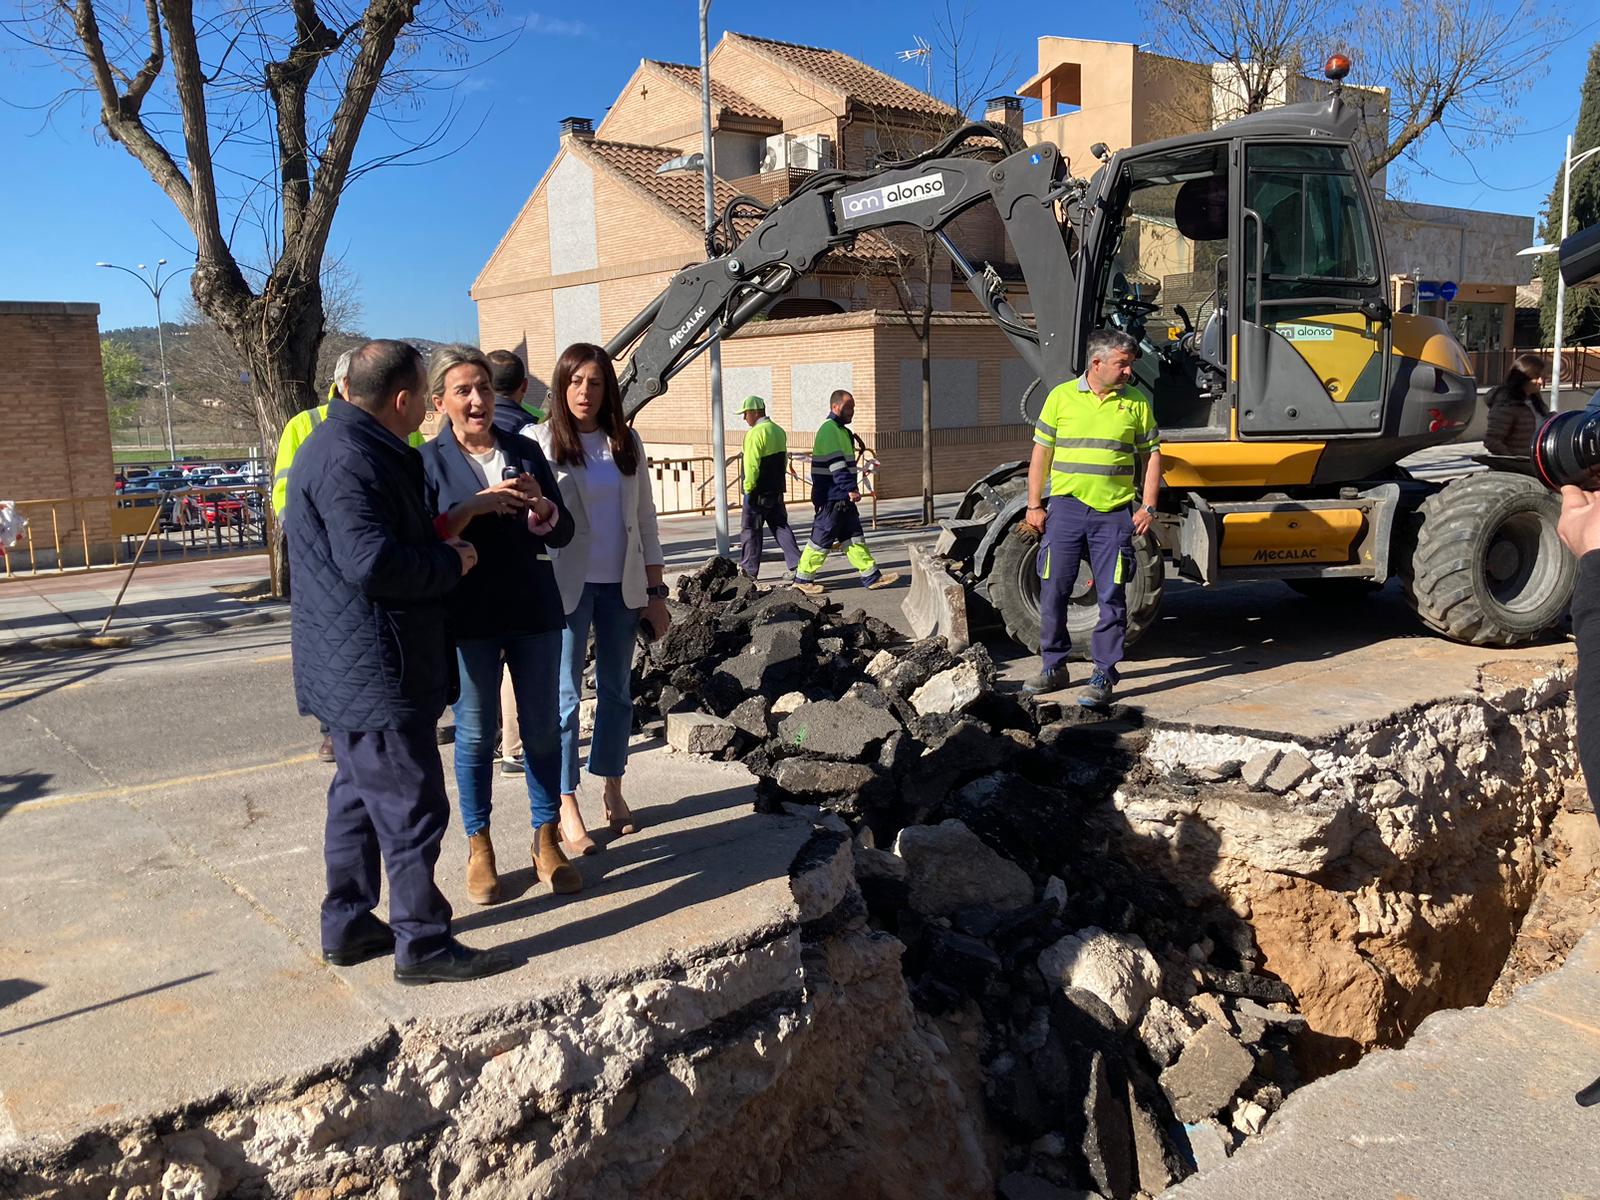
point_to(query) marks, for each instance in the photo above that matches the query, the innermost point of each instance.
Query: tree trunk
(278, 335)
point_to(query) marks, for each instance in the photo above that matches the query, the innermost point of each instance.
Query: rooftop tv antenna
(924, 53)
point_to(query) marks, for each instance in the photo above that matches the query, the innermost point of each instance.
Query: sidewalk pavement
(57, 611)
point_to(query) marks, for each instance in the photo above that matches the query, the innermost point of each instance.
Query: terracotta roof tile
(721, 94)
(684, 192)
(864, 84)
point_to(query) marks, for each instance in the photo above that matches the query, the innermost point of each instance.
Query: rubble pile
(1124, 1036)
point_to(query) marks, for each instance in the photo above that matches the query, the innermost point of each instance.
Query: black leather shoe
(368, 939)
(457, 964)
(1589, 1096)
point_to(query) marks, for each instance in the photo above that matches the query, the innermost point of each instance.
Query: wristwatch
(1149, 508)
(659, 592)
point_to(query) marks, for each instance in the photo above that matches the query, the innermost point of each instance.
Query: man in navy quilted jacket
(372, 660)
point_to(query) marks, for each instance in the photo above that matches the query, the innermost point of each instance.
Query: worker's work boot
(550, 863)
(887, 579)
(1047, 681)
(1097, 692)
(483, 884)
(808, 587)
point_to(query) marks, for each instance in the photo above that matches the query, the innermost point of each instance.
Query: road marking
(25, 693)
(273, 658)
(120, 793)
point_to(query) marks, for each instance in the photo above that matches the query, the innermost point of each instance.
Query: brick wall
(57, 433)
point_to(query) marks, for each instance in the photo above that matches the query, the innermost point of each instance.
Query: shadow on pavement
(6, 998)
(684, 859)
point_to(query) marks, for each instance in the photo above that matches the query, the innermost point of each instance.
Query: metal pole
(166, 388)
(719, 441)
(1561, 283)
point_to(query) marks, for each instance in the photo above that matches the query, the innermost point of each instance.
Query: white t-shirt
(602, 497)
(489, 465)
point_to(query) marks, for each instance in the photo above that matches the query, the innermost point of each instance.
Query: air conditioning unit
(814, 152)
(776, 157)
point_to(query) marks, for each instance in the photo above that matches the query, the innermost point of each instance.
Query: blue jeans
(614, 623)
(532, 659)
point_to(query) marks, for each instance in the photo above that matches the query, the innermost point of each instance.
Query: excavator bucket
(937, 603)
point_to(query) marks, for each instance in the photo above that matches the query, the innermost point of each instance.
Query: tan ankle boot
(483, 884)
(550, 864)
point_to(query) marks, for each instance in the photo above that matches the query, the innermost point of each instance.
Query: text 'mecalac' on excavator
(1285, 402)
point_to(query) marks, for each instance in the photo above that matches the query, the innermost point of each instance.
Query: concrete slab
(1259, 658)
(157, 931)
(133, 978)
(1478, 1106)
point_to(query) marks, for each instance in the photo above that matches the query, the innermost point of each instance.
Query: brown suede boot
(483, 884)
(550, 864)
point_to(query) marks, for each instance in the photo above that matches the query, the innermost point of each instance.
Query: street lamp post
(719, 448)
(153, 285)
(1561, 283)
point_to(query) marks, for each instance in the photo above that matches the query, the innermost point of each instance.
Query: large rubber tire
(1485, 565)
(1014, 591)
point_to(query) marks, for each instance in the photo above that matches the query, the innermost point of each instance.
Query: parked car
(219, 508)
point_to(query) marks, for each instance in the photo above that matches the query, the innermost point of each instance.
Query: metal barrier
(78, 534)
(1580, 365)
(684, 486)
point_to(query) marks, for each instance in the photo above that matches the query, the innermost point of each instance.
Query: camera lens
(1566, 450)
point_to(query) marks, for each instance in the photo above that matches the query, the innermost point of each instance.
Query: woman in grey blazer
(609, 575)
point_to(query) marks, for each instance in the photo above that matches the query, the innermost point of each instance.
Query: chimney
(580, 127)
(1004, 110)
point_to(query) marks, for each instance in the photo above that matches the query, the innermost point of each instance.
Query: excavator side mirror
(1377, 311)
(1183, 315)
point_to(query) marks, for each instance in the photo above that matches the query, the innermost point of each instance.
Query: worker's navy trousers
(1072, 532)
(387, 805)
(759, 512)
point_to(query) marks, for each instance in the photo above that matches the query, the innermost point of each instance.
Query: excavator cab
(1250, 268)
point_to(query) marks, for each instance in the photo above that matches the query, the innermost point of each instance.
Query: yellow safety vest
(294, 436)
(1095, 442)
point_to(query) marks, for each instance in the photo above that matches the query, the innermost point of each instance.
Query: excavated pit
(1028, 952)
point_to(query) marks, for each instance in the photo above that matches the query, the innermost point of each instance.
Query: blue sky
(415, 236)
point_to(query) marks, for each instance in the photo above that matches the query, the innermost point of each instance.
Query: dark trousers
(387, 805)
(1072, 532)
(759, 512)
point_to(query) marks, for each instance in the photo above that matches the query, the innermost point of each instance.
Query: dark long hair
(565, 442)
(1525, 368)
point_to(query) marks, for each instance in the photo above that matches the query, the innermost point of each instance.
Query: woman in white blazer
(609, 575)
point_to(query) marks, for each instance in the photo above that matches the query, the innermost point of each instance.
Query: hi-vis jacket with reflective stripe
(833, 463)
(289, 442)
(766, 455)
(291, 439)
(1095, 442)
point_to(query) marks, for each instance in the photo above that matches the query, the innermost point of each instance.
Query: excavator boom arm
(717, 297)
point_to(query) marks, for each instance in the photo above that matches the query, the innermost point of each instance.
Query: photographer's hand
(1579, 526)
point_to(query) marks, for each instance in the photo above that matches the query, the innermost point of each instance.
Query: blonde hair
(445, 359)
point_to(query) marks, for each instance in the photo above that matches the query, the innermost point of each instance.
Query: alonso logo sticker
(894, 195)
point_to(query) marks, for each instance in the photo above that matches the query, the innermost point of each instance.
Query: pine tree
(1582, 321)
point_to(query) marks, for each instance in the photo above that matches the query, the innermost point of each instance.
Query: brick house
(602, 233)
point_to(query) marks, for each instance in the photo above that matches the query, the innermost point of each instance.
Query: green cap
(753, 404)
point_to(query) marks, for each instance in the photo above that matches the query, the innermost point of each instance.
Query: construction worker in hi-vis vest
(766, 470)
(834, 493)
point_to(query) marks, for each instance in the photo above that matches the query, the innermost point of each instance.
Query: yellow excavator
(1248, 263)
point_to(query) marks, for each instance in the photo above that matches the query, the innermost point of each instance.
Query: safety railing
(687, 486)
(1580, 365)
(75, 534)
